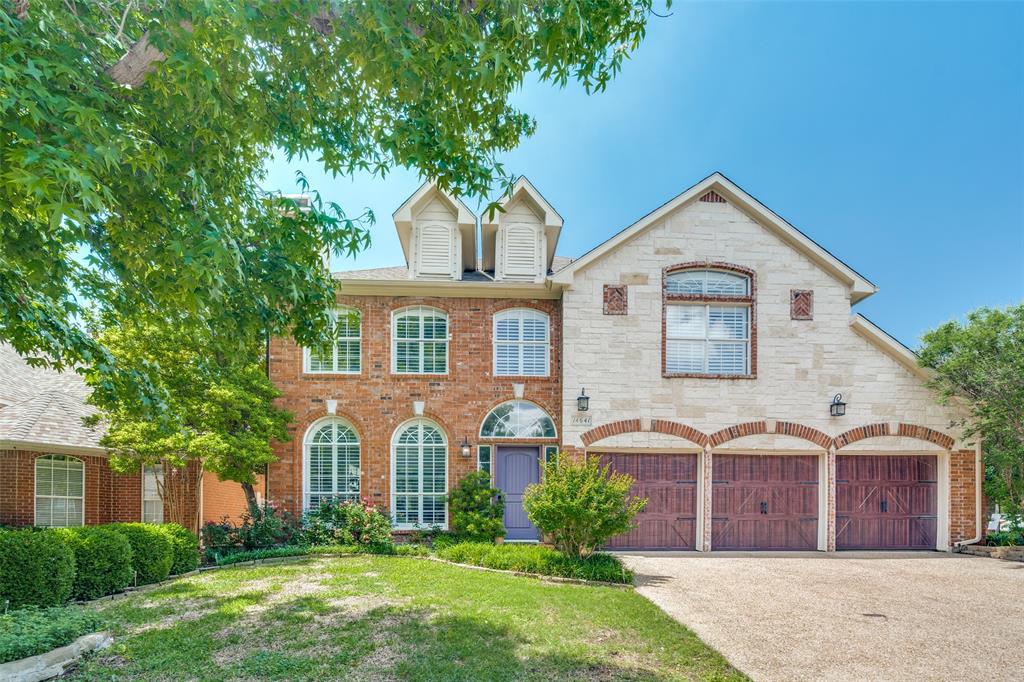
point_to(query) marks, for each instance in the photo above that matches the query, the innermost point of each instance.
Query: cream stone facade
(798, 365)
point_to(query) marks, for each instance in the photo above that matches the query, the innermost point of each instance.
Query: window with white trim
(518, 419)
(344, 354)
(152, 504)
(708, 322)
(483, 458)
(521, 343)
(60, 491)
(419, 341)
(419, 475)
(332, 463)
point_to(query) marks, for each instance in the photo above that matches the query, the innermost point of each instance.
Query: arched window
(518, 419)
(332, 462)
(521, 343)
(708, 322)
(60, 491)
(343, 355)
(419, 341)
(419, 475)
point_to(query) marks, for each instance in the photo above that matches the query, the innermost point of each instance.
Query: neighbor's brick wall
(224, 498)
(376, 401)
(109, 497)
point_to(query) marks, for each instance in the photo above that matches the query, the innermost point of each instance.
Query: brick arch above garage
(785, 428)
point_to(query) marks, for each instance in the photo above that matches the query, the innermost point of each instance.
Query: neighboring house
(53, 470)
(711, 338)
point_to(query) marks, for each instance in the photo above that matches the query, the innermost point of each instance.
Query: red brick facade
(376, 401)
(109, 497)
(962, 495)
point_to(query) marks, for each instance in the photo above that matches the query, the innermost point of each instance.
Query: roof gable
(430, 195)
(524, 196)
(716, 188)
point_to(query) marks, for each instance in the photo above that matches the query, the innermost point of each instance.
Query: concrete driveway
(847, 616)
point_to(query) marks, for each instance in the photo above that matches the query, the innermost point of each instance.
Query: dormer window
(709, 321)
(519, 241)
(521, 250)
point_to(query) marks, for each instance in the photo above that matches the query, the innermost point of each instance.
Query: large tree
(980, 364)
(134, 133)
(218, 412)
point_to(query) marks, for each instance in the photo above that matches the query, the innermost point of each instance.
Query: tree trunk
(250, 497)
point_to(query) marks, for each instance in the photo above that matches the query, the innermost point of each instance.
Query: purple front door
(515, 468)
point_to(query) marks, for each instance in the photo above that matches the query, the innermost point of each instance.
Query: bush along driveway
(384, 618)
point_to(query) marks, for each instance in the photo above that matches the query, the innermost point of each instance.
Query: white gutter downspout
(978, 474)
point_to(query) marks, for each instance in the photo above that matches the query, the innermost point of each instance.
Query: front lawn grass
(386, 618)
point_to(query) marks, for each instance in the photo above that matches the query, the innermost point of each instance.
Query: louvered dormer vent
(435, 251)
(522, 251)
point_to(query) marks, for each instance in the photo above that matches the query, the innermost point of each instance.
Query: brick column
(705, 539)
(830, 536)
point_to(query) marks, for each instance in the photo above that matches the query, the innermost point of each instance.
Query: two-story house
(709, 350)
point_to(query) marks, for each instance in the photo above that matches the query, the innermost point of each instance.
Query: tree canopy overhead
(133, 136)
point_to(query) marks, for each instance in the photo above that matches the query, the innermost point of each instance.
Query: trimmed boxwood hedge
(103, 560)
(36, 568)
(152, 553)
(184, 546)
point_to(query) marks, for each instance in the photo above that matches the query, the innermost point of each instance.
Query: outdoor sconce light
(838, 407)
(583, 401)
(466, 449)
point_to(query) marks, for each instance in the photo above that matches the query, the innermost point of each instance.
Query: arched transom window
(60, 491)
(419, 475)
(708, 321)
(518, 419)
(332, 462)
(419, 341)
(521, 343)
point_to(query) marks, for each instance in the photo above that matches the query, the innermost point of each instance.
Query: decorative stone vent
(616, 301)
(801, 304)
(712, 197)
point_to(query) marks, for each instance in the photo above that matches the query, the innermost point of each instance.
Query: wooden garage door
(886, 502)
(669, 482)
(764, 502)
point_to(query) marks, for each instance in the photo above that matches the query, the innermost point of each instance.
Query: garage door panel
(886, 501)
(764, 502)
(669, 482)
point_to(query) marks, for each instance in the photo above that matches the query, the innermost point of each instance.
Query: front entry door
(516, 468)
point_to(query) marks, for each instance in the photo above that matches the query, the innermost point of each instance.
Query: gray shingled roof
(401, 272)
(45, 407)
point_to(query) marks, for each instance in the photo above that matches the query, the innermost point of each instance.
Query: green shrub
(152, 553)
(185, 548)
(540, 560)
(348, 523)
(32, 631)
(1005, 538)
(103, 560)
(36, 568)
(477, 509)
(580, 504)
(265, 553)
(265, 526)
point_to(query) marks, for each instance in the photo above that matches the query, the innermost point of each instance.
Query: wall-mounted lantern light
(838, 407)
(466, 449)
(583, 401)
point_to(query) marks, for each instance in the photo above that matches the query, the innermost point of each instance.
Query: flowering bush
(338, 522)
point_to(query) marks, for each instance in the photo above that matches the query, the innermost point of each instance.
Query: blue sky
(892, 134)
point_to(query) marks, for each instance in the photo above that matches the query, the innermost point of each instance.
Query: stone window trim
(669, 298)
